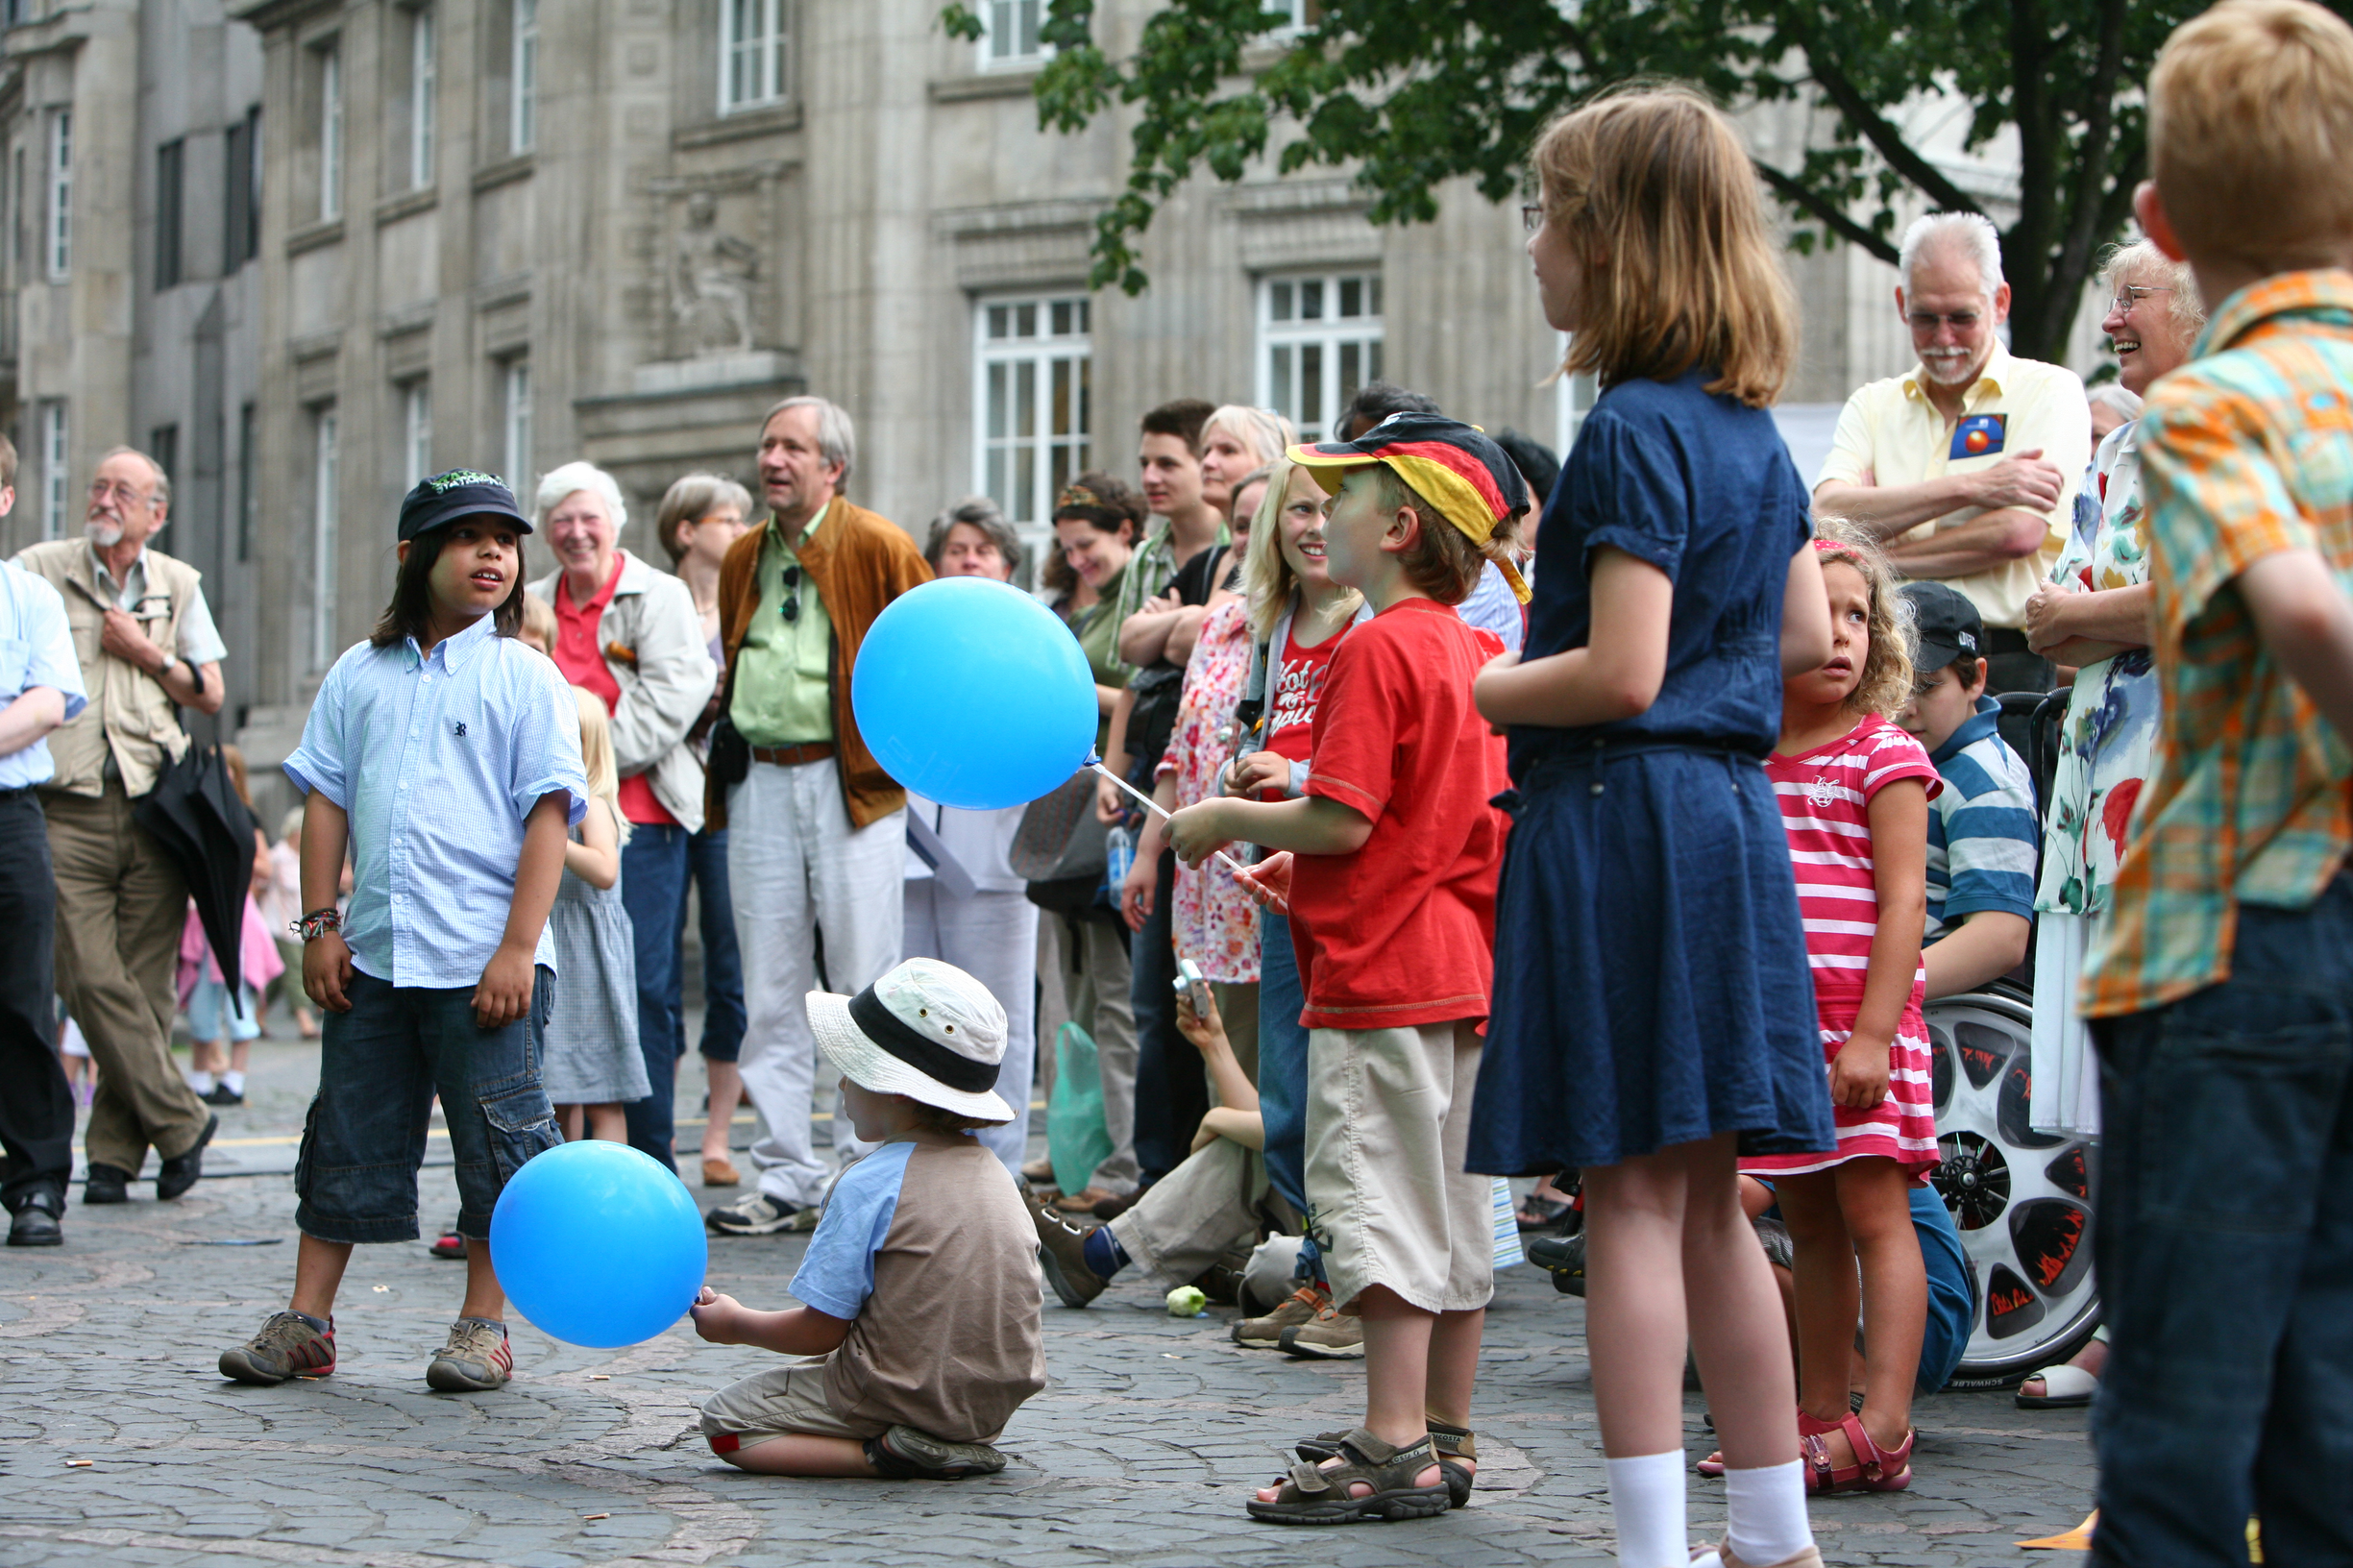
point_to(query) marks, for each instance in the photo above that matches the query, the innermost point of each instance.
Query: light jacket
(651, 639)
(859, 561)
(128, 712)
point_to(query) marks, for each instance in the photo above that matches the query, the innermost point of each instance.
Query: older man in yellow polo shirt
(1967, 465)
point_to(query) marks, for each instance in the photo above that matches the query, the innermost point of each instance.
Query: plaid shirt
(2245, 452)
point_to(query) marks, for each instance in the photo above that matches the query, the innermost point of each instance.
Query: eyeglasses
(789, 609)
(128, 495)
(1928, 321)
(1531, 216)
(2132, 294)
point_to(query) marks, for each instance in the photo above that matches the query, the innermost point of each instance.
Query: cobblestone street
(1139, 1451)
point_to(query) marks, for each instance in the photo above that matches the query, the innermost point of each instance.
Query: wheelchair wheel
(2021, 1198)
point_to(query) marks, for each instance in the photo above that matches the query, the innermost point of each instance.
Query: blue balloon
(597, 1245)
(972, 693)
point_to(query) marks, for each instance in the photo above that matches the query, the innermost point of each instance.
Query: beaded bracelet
(318, 924)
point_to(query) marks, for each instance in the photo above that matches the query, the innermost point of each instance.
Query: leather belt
(793, 756)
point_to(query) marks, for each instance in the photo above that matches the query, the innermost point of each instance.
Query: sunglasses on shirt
(789, 609)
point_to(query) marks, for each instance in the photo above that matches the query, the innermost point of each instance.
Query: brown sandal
(1453, 1445)
(1313, 1495)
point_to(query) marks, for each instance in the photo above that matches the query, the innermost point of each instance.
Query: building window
(53, 469)
(1573, 399)
(330, 133)
(247, 438)
(419, 98)
(416, 432)
(241, 180)
(17, 213)
(752, 53)
(516, 398)
(169, 184)
(1298, 15)
(1319, 340)
(163, 446)
(323, 506)
(1008, 33)
(522, 128)
(61, 196)
(1031, 403)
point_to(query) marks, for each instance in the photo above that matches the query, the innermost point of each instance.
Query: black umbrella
(197, 815)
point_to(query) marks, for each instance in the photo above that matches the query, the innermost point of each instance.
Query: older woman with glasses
(628, 634)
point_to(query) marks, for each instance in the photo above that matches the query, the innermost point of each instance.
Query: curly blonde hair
(1886, 684)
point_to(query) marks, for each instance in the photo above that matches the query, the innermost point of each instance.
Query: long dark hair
(412, 610)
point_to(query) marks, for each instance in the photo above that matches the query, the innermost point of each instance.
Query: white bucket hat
(927, 1030)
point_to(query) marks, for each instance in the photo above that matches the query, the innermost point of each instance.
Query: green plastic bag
(1076, 1139)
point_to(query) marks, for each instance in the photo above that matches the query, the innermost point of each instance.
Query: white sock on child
(233, 1082)
(1765, 1514)
(200, 1082)
(1646, 1497)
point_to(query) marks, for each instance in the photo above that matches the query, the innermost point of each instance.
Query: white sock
(200, 1082)
(234, 1081)
(1765, 1514)
(1646, 1497)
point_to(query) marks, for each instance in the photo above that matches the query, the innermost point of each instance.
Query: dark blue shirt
(1702, 487)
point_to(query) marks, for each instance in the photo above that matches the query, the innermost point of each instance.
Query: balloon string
(1232, 865)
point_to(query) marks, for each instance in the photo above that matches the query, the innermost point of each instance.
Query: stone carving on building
(711, 279)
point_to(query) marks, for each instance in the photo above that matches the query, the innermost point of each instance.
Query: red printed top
(1402, 932)
(582, 662)
(1291, 717)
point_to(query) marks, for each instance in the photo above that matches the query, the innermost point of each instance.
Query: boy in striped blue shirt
(1983, 833)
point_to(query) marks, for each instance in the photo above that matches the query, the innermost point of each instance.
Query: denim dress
(1651, 978)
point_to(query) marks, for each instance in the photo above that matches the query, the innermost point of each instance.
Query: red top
(582, 662)
(1402, 932)
(1291, 718)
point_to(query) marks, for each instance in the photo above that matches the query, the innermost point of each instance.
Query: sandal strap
(1867, 1452)
(1453, 1442)
(1308, 1480)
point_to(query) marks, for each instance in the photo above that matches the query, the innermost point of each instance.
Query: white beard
(1950, 372)
(105, 535)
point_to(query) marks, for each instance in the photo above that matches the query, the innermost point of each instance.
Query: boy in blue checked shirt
(447, 756)
(1983, 834)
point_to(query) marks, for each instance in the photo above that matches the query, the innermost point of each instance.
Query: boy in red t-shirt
(1392, 906)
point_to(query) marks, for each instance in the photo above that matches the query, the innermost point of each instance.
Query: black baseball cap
(1948, 625)
(462, 492)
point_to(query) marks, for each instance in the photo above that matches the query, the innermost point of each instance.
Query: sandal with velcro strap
(1313, 1495)
(1453, 1445)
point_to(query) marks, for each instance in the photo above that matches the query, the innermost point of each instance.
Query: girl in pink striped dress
(1853, 791)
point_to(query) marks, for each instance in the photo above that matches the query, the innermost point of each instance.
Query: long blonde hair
(597, 755)
(1652, 186)
(1885, 685)
(1267, 578)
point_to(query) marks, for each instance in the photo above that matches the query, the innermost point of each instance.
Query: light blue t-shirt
(36, 648)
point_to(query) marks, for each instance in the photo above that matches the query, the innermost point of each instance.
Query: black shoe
(35, 1224)
(221, 1094)
(106, 1184)
(180, 1170)
(1563, 1257)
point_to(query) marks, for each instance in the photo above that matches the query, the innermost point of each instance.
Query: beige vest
(129, 712)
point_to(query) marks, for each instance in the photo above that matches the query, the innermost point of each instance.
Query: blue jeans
(722, 962)
(380, 1066)
(653, 891)
(1282, 1061)
(1952, 1304)
(2225, 1256)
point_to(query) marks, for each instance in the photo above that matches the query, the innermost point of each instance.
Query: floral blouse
(1216, 925)
(2109, 731)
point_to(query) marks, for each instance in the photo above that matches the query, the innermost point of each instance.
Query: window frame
(523, 78)
(515, 425)
(1573, 399)
(1040, 351)
(58, 242)
(57, 460)
(241, 184)
(424, 87)
(330, 129)
(1012, 59)
(248, 432)
(171, 207)
(769, 48)
(416, 432)
(1278, 384)
(326, 519)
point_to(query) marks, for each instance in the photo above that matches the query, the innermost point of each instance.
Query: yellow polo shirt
(783, 679)
(1890, 433)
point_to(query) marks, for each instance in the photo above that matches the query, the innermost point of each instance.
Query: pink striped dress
(1826, 797)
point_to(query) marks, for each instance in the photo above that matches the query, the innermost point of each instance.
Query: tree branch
(1882, 134)
(1826, 212)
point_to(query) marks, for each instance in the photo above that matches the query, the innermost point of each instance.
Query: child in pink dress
(1853, 791)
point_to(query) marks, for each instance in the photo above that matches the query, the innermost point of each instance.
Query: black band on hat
(886, 1029)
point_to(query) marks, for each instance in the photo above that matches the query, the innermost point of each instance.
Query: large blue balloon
(972, 693)
(597, 1245)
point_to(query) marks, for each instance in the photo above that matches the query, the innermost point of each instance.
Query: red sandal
(1712, 1466)
(1874, 1469)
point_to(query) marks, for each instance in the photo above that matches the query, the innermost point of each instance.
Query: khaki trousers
(1211, 1205)
(121, 904)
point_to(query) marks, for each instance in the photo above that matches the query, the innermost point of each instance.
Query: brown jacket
(860, 561)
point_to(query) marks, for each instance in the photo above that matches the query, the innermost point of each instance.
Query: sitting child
(923, 1272)
(1983, 834)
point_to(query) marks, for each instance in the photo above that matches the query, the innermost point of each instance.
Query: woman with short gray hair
(627, 633)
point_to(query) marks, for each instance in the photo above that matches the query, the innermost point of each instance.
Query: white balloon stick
(1232, 865)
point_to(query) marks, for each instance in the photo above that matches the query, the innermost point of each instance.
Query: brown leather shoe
(719, 1172)
(1083, 1201)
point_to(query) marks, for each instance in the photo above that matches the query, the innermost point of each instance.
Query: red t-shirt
(1291, 717)
(582, 662)
(1403, 931)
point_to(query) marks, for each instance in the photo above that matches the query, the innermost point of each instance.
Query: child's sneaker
(904, 1454)
(1328, 1336)
(756, 1213)
(475, 1360)
(289, 1345)
(1300, 1306)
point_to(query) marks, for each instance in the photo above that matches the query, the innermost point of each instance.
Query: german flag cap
(1461, 473)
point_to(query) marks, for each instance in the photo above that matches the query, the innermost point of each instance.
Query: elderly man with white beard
(1966, 466)
(148, 648)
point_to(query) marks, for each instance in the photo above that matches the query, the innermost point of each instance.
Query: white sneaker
(754, 1213)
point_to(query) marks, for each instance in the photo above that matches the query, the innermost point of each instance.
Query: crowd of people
(1625, 855)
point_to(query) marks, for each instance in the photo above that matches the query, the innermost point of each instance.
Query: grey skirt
(592, 1055)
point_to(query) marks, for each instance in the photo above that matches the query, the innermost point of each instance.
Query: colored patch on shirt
(1979, 435)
